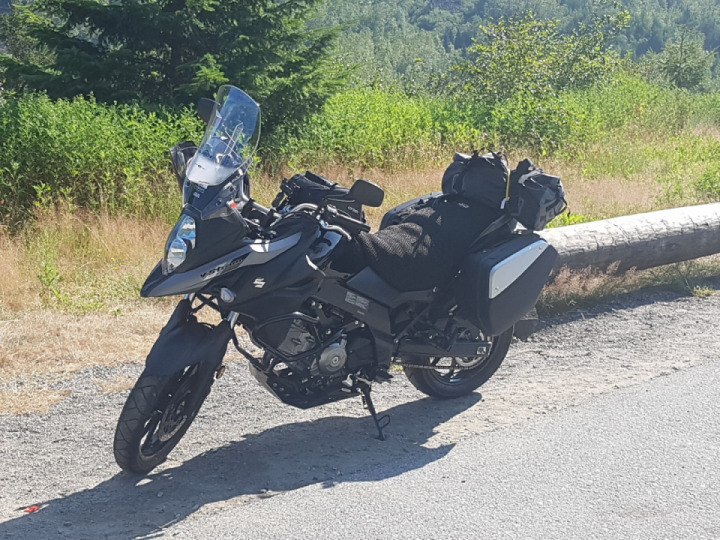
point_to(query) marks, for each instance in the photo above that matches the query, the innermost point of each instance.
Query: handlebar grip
(349, 224)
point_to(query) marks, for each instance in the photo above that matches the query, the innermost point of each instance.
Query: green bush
(541, 123)
(114, 158)
(86, 154)
(527, 55)
(375, 127)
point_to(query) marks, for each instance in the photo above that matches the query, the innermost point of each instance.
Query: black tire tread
(139, 406)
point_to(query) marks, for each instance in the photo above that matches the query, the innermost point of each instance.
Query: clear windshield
(230, 139)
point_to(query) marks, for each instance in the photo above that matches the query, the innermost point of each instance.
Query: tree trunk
(640, 240)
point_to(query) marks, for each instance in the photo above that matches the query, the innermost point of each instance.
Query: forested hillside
(407, 37)
(387, 39)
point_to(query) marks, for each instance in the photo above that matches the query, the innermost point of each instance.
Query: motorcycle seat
(427, 248)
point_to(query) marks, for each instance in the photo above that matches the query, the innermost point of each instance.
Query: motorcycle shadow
(326, 451)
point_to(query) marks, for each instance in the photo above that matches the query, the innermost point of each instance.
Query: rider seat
(427, 248)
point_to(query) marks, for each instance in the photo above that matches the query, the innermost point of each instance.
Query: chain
(425, 366)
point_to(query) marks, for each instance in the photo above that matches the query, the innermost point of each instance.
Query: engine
(326, 362)
(297, 343)
(305, 361)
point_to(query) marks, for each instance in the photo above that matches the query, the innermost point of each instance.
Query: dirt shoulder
(245, 446)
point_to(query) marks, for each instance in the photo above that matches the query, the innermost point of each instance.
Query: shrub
(707, 185)
(529, 55)
(86, 154)
(374, 127)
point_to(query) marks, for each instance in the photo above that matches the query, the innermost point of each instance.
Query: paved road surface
(639, 463)
(604, 425)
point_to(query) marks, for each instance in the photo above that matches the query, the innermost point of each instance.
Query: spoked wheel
(446, 378)
(156, 415)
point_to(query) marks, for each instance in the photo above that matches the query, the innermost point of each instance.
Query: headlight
(176, 254)
(186, 229)
(182, 239)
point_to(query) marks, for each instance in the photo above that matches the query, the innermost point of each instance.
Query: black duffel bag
(478, 178)
(535, 196)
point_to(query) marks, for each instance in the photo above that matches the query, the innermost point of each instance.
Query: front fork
(232, 319)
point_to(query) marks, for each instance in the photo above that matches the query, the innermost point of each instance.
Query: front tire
(453, 377)
(157, 413)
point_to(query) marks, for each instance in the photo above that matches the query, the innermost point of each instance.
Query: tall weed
(88, 155)
(78, 261)
(372, 127)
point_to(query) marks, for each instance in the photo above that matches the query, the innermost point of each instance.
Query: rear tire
(447, 381)
(157, 413)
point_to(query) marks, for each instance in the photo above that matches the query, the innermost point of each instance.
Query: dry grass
(29, 401)
(15, 288)
(705, 130)
(77, 262)
(603, 197)
(46, 341)
(582, 288)
(399, 186)
(69, 283)
(596, 196)
(573, 288)
(40, 348)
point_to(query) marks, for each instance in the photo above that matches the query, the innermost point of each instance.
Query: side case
(496, 287)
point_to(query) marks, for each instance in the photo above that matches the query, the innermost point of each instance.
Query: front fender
(184, 341)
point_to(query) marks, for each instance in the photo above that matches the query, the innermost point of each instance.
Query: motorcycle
(327, 333)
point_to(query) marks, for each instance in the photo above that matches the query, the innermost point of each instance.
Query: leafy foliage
(381, 35)
(14, 38)
(530, 55)
(519, 68)
(175, 51)
(376, 127)
(87, 155)
(526, 85)
(707, 185)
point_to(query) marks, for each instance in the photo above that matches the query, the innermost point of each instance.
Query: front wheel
(446, 378)
(156, 415)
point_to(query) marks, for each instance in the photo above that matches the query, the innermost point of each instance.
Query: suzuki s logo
(259, 283)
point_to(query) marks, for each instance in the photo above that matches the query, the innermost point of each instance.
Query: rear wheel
(448, 377)
(156, 415)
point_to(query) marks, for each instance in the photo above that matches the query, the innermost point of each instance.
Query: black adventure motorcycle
(327, 332)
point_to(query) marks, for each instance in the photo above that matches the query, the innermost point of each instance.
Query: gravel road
(245, 447)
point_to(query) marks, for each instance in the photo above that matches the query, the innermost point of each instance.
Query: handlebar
(333, 220)
(353, 226)
(336, 221)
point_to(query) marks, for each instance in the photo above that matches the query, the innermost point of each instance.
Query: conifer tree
(175, 51)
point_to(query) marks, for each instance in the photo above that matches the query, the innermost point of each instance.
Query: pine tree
(175, 51)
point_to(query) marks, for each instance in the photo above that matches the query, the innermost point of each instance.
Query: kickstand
(381, 422)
